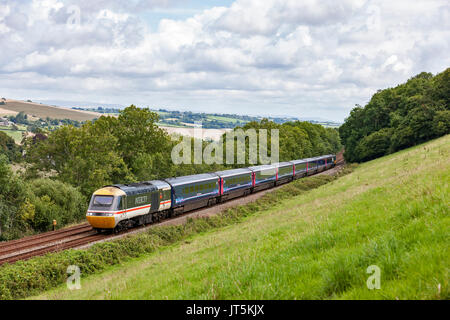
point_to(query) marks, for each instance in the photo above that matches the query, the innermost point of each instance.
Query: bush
(375, 145)
(55, 200)
(9, 148)
(13, 192)
(27, 208)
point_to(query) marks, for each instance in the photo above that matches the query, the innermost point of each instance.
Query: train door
(155, 200)
(122, 207)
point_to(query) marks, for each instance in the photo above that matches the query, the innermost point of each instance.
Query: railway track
(71, 237)
(28, 247)
(63, 239)
(43, 236)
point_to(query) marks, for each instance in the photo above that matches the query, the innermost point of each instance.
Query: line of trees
(397, 118)
(297, 140)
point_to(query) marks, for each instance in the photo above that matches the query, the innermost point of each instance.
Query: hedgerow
(27, 278)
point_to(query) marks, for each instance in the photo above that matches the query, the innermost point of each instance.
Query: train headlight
(89, 214)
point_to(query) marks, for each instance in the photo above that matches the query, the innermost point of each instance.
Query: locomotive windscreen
(103, 201)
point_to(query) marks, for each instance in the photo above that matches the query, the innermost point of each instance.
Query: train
(122, 206)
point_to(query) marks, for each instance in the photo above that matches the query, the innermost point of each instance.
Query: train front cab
(106, 208)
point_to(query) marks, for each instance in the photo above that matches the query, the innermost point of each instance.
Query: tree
(13, 193)
(374, 145)
(9, 148)
(412, 113)
(85, 157)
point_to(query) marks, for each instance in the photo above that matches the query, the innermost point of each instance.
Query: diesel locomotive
(122, 206)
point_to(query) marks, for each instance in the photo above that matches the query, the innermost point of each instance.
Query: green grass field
(392, 212)
(226, 119)
(15, 134)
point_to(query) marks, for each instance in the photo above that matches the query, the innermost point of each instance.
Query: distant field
(392, 213)
(15, 134)
(5, 112)
(44, 111)
(225, 119)
(213, 134)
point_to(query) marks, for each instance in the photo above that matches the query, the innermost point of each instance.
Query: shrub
(55, 200)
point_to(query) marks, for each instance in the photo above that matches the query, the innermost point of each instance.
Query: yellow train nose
(102, 222)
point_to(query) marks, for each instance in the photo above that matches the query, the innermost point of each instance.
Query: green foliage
(55, 200)
(374, 145)
(110, 150)
(85, 157)
(297, 139)
(9, 148)
(13, 193)
(27, 207)
(399, 117)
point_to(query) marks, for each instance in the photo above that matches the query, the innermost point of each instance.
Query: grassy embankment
(392, 212)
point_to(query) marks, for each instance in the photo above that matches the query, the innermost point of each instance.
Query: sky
(301, 58)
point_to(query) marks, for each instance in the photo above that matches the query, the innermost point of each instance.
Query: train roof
(299, 161)
(160, 184)
(191, 179)
(136, 188)
(262, 167)
(232, 172)
(282, 164)
(323, 157)
(142, 187)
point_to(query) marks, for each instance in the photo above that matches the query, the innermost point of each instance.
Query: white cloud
(304, 58)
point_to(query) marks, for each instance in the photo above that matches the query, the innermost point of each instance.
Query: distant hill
(43, 111)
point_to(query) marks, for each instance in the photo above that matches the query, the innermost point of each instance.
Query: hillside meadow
(392, 212)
